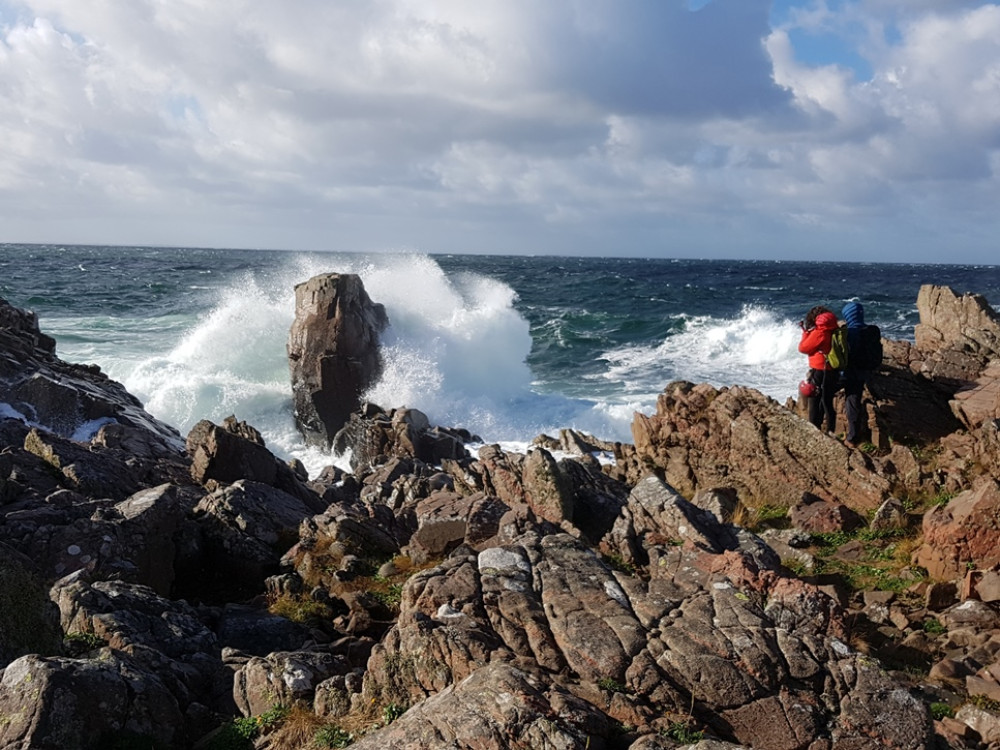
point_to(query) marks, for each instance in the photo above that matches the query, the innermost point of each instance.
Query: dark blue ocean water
(508, 346)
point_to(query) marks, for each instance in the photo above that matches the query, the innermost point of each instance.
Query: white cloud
(396, 122)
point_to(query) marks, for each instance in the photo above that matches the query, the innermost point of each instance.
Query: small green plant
(333, 736)
(300, 609)
(796, 566)
(880, 535)
(245, 727)
(231, 736)
(941, 499)
(273, 717)
(987, 704)
(940, 711)
(933, 626)
(77, 644)
(611, 685)
(617, 562)
(392, 712)
(682, 732)
(868, 448)
(831, 540)
(390, 597)
(766, 516)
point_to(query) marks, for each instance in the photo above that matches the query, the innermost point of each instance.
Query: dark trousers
(821, 405)
(857, 415)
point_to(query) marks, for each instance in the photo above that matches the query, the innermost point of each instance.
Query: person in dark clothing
(855, 376)
(817, 331)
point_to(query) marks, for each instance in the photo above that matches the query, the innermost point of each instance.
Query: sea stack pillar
(333, 352)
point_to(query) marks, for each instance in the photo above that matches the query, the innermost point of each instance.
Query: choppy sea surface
(505, 346)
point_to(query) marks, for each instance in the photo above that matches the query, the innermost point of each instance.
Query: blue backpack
(866, 348)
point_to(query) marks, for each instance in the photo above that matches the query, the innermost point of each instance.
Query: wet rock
(71, 401)
(235, 450)
(333, 352)
(371, 435)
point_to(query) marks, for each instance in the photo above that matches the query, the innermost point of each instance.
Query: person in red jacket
(817, 330)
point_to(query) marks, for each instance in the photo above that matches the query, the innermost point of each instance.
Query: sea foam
(755, 349)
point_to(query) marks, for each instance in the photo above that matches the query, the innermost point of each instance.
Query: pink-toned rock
(817, 516)
(965, 530)
(977, 685)
(985, 723)
(497, 707)
(987, 588)
(702, 438)
(979, 401)
(948, 321)
(955, 733)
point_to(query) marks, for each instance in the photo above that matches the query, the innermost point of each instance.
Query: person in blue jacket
(856, 374)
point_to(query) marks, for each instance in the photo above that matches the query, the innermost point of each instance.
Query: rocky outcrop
(65, 399)
(702, 437)
(904, 404)
(135, 539)
(234, 450)
(962, 533)
(758, 658)
(951, 324)
(950, 378)
(373, 433)
(333, 352)
(77, 704)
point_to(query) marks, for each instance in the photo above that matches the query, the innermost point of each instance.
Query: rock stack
(333, 353)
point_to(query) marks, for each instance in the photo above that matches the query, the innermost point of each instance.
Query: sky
(750, 129)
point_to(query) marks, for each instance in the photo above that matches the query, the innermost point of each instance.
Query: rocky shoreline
(734, 577)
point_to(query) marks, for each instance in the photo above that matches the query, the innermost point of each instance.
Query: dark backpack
(866, 349)
(837, 358)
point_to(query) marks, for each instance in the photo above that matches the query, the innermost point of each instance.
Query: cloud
(568, 126)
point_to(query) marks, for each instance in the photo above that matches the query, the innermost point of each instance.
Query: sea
(508, 347)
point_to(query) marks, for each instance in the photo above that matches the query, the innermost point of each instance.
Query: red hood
(826, 320)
